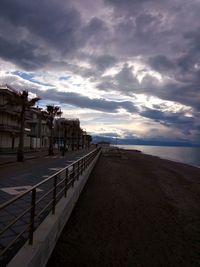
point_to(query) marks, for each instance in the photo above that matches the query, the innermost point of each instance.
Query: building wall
(7, 141)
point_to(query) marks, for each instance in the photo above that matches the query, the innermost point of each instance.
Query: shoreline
(160, 156)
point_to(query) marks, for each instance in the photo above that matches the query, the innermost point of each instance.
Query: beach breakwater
(136, 210)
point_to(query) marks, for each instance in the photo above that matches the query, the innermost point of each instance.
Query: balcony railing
(9, 128)
(30, 208)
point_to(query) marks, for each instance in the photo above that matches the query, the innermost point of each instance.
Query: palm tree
(21, 99)
(80, 131)
(52, 111)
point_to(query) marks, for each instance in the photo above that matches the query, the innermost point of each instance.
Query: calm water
(190, 155)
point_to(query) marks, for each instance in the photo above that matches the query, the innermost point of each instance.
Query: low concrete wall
(47, 234)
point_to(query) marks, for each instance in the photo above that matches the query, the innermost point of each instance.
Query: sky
(127, 69)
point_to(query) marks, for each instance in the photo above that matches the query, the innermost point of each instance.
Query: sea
(189, 155)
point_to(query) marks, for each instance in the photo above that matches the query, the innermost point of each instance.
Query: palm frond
(54, 111)
(32, 102)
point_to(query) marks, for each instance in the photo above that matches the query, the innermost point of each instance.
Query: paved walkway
(8, 158)
(30, 172)
(135, 211)
(16, 178)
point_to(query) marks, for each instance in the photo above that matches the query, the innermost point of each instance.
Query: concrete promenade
(135, 211)
(7, 158)
(17, 177)
(36, 167)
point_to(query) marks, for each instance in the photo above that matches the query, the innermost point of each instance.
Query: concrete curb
(47, 234)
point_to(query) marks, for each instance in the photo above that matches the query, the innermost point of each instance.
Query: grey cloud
(44, 29)
(126, 78)
(107, 85)
(128, 5)
(51, 29)
(84, 101)
(124, 81)
(95, 34)
(23, 54)
(193, 37)
(51, 20)
(95, 25)
(187, 94)
(161, 63)
(143, 34)
(104, 62)
(178, 120)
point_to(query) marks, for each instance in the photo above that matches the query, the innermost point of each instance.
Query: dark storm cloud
(45, 29)
(53, 21)
(23, 54)
(184, 67)
(41, 26)
(161, 63)
(94, 26)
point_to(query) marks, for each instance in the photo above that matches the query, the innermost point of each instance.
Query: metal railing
(25, 212)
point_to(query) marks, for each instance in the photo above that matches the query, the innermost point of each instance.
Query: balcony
(9, 128)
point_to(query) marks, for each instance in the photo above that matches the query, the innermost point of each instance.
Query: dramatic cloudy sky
(126, 68)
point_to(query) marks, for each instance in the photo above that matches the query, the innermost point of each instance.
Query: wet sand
(136, 210)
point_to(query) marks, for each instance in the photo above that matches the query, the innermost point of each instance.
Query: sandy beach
(136, 210)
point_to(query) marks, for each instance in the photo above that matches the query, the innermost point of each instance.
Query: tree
(52, 112)
(74, 127)
(21, 99)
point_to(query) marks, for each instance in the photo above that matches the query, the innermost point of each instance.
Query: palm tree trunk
(78, 141)
(65, 139)
(51, 140)
(20, 151)
(73, 140)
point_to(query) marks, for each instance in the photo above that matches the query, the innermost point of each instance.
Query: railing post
(78, 170)
(54, 194)
(66, 181)
(73, 175)
(81, 166)
(84, 163)
(32, 216)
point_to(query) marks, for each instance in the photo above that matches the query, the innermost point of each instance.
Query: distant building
(68, 134)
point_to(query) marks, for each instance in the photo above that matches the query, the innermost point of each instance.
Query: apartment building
(39, 130)
(9, 117)
(67, 132)
(36, 134)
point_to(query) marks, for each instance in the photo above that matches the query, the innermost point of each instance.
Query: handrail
(53, 194)
(5, 204)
